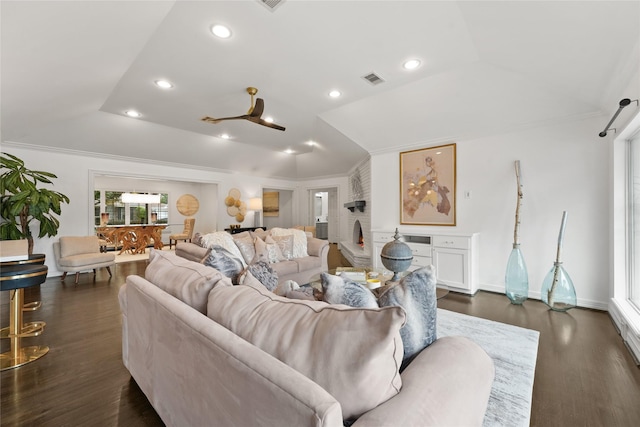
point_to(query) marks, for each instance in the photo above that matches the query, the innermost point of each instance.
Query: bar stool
(15, 278)
(33, 259)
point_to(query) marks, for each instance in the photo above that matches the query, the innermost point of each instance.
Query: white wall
(564, 167)
(285, 216)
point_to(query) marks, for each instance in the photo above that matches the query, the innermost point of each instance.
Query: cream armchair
(186, 234)
(76, 254)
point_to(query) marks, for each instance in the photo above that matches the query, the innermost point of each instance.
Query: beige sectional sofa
(205, 352)
(300, 269)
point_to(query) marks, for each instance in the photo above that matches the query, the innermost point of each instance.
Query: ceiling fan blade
(267, 124)
(213, 120)
(258, 108)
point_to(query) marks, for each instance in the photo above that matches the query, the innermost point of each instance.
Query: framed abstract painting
(428, 186)
(270, 203)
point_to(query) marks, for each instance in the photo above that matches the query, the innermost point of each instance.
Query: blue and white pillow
(416, 293)
(225, 262)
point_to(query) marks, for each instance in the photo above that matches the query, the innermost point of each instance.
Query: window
(634, 221)
(119, 213)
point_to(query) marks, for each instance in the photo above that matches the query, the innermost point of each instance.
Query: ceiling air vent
(272, 5)
(373, 78)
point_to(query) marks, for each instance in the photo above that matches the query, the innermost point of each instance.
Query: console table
(455, 256)
(132, 238)
(241, 229)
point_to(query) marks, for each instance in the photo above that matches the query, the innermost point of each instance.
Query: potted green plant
(23, 201)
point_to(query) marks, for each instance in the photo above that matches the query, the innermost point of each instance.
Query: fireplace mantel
(356, 204)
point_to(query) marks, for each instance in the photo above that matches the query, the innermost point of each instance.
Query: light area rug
(514, 351)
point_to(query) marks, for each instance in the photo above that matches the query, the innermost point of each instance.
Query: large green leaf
(19, 191)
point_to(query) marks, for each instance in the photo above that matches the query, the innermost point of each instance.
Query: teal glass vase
(516, 278)
(558, 291)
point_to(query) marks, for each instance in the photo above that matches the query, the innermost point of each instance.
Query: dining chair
(186, 234)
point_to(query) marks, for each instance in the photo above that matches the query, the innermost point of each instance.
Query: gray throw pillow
(225, 262)
(264, 274)
(345, 291)
(416, 293)
(197, 239)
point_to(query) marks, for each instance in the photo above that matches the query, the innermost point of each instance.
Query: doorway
(324, 213)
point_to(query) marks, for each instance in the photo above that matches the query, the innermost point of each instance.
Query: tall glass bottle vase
(558, 291)
(516, 278)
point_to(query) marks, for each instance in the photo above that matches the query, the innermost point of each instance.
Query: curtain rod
(623, 103)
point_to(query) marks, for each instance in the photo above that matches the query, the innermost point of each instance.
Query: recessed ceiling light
(164, 84)
(411, 64)
(132, 113)
(289, 151)
(311, 143)
(335, 93)
(221, 31)
(268, 119)
(225, 136)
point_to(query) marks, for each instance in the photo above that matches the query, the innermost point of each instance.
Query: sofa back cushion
(76, 245)
(186, 280)
(353, 353)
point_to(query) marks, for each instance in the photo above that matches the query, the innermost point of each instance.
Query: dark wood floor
(584, 376)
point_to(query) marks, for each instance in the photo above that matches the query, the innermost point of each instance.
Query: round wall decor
(187, 204)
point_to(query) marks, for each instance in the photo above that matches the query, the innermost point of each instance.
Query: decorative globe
(396, 256)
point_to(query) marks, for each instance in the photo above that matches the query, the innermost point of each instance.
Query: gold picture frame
(428, 186)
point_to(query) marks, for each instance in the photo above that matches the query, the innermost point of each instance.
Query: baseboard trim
(584, 303)
(627, 321)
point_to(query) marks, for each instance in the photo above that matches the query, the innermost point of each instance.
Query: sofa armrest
(447, 384)
(191, 251)
(196, 372)
(319, 248)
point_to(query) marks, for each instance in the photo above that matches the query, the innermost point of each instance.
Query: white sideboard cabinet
(453, 255)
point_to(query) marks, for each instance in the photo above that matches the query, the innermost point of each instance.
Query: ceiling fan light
(133, 113)
(268, 119)
(221, 31)
(411, 64)
(164, 84)
(335, 93)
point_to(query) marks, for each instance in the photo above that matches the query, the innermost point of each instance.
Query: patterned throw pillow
(265, 274)
(299, 240)
(416, 293)
(197, 239)
(339, 290)
(246, 246)
(274, 253)
(285, 243)
(223, 239)
(225, 262)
